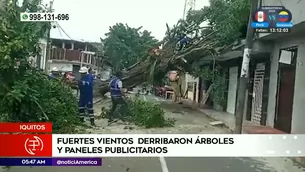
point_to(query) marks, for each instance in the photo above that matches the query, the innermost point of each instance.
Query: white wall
(43, 55)
(231, 101)
(190, 78)
(298, 115)
(62, 66)
(43, 46)
(105, 72)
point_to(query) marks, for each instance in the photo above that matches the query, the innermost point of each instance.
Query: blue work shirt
(91, 77)
(115, 90)
(185, 40)
(85, 86)
(51, 76)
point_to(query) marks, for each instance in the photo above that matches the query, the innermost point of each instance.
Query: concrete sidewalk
(248, 127)
(229, 120)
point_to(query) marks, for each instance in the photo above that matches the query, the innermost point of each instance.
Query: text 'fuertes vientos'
(132, 145)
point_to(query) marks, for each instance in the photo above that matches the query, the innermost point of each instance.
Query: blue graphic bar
(25, 161)
(260, 24)
(284, 25)
(50, 162)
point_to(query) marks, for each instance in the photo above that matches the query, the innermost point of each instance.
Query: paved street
(188, 121)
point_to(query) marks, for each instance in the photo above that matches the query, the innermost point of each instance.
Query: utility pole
(48, 53)
(244, 74)
(188, 4)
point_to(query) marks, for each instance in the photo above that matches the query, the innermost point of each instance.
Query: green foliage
(218, 80)
(36, 98)
(205, 72)
(126, 45)
(26, 94)
(147, 114)
(144, 114)
(227, 17)
(219, 87)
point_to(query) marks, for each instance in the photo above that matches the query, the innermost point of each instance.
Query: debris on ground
(217, 123)
(191, 122)
(141, 113)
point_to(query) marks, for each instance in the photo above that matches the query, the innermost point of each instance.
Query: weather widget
(272, 19)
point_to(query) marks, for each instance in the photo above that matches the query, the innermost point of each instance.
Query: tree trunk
(167, 60)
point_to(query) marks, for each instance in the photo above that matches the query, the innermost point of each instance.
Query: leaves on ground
(143, 114)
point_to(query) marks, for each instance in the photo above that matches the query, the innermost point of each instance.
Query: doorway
(257, 93)
(195, 91)
(200, 90)
(285, 91)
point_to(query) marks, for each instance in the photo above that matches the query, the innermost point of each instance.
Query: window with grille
(288, 56)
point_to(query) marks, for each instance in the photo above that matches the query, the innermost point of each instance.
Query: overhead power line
(189, 4)
(63, 30)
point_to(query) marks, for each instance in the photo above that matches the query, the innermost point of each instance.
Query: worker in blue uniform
(90, 72)
(86, 96)
(54, 73)
(117, 95)
(185, 41)
(182, 42)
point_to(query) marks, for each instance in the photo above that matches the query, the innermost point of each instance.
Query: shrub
(144, 114)
(35, 98)
(26, 94)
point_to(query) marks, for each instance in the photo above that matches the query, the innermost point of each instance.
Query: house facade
(286, 95)
(191, 86)
(71, 55)
(275, 92)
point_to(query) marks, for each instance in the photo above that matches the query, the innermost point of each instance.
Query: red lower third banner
(34, 127)
(25, 145)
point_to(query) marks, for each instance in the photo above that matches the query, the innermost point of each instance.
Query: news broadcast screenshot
(152, 86)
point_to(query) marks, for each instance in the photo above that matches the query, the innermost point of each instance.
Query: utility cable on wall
(63, 30)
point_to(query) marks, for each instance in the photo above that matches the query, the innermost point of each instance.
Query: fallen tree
(227, 21)
(158, 65)
(141, 113)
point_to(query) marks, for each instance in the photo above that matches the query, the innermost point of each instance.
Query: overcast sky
(90, 19)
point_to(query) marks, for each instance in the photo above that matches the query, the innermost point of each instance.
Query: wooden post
(244, 75)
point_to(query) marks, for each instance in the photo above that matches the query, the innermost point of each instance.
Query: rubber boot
(82, 119)
(92, 122)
